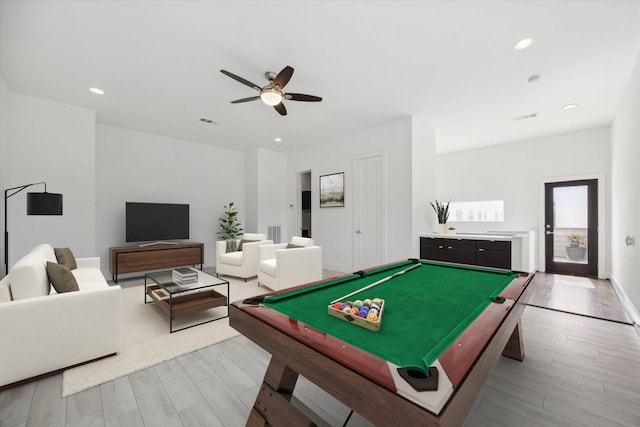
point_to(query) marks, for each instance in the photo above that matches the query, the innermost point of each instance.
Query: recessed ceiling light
(96, 91)
(277, 139)
(524, 43)
(569, 106)
(526, 116)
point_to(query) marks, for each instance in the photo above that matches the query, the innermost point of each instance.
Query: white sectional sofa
(42, 331)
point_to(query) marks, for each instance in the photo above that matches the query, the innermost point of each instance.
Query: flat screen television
(156, 221)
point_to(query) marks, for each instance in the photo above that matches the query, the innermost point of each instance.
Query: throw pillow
(66, 258)
(61, 278)
(292, 246)
(243, 241)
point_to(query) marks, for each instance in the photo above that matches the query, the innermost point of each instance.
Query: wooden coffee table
(182, 300)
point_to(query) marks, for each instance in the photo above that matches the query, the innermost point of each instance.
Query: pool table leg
(514, 348)
(273, 404)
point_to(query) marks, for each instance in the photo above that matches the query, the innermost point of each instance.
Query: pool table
(442, 329)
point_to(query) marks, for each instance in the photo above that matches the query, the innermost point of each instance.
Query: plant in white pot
(230, 227)
(442, 212)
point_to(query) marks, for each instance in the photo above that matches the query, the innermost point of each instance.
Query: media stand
(133, 259)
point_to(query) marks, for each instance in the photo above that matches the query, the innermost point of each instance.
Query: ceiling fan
(272, 93)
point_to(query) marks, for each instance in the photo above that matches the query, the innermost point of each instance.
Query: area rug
(146, 340)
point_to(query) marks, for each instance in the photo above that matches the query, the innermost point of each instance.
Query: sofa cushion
(5, 290)
(254, 236)
(28, 277)
(268, 266)
(233, 258)
(89, 279)
(61, 278)
(65, 257)
(243, 241)
(47, 251)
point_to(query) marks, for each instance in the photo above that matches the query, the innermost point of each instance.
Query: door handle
(480, 250)
(358, 232)
(548, 232)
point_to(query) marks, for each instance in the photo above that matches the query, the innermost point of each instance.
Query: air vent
(208, 121)
(526, 116)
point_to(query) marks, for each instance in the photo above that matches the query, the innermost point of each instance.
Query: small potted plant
(442, 212)
(576, 251)
(230, 227)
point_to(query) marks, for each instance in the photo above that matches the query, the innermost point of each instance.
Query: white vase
(441, 229)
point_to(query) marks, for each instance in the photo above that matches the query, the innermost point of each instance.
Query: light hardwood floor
(578, 371)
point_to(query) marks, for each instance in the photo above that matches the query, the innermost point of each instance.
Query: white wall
(5, 95)
(625, 200)
(332, 228)
(54, 143)
(423, 181)
(271, 191)
(250, 224)
(512, 172)
(141, 167)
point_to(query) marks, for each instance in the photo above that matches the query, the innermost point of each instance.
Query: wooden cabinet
(485, 253)
(133, 259)
(493, 254)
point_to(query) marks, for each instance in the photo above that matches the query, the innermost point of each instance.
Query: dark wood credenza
(132, 259)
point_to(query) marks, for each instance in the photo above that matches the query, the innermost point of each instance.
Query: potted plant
(230, 227)
(575, 250)
(442, 212)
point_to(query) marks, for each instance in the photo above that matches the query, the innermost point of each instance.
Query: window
(481, 211)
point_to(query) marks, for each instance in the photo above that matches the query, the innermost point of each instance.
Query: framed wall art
(332, 190)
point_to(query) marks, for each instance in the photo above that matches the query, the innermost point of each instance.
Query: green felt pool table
(443, 327)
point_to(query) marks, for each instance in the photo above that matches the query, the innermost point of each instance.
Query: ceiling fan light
(271, 96)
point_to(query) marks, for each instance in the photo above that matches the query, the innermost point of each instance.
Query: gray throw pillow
(61, 278)
(243, 241)
(66, 258)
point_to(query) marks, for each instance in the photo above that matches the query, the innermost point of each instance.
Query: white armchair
(244, 262)
(290, 264)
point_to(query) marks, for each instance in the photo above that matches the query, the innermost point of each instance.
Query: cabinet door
(132, 261)
(493, 254)
(427, 248)
(162, 259)
(460, 251)
(189, 256)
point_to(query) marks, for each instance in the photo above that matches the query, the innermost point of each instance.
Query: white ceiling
(449, 62)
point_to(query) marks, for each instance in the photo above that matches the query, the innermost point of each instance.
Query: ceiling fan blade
(252, 98)
(241, 80)
(280, 109)
(283, 77)
(302, 97)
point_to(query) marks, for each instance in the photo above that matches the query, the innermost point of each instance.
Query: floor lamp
(37, 204)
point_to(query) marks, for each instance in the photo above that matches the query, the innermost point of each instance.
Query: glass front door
(571, 231)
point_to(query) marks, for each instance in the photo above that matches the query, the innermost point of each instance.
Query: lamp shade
(44, 204)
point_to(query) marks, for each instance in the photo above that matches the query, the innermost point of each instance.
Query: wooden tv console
(131, 259)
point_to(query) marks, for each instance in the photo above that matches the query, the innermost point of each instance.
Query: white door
(369, 211)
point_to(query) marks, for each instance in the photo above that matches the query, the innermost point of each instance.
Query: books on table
(184, 276)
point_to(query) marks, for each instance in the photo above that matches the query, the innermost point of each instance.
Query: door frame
(602, 222)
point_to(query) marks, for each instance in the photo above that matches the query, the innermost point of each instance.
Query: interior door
(571, 227)
(368, 211)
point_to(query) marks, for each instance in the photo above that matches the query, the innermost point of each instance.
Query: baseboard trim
(626, 302)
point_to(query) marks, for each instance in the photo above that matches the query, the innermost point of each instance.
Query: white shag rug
(146, 341)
